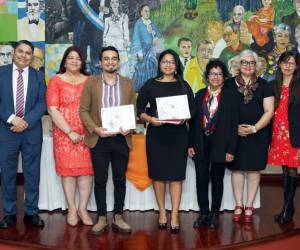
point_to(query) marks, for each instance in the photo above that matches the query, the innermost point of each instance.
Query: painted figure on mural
(59, 19)
(6, 54)
(261, 23)
(293, 20)
(116, 33)
(282, 39)
(215, 36)
(194, 72)
(191, 6)
(146, 45)
(224, 5)
(87, 36)
(185, 46)
(231, 36)
(38, 59)
(237, 19)
(296, 49)
(32, 26)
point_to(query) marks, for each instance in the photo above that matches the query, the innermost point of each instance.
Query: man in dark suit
(293, 20)
(22, 104)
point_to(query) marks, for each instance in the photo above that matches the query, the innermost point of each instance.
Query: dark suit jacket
(294, 122)
(35, 106)
(90, 104)
(226, 134)
(292, 20)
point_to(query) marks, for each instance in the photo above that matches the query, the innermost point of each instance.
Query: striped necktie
(20, 95)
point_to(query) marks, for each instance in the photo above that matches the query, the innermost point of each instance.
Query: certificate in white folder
(114, 118)
(173, 108)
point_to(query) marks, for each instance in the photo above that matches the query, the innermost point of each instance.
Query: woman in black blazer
(285, 147)
(213, 138)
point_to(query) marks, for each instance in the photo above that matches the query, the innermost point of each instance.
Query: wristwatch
(254, 129)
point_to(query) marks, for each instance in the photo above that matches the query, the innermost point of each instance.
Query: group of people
(231, 126)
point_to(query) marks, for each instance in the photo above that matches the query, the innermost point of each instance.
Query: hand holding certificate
(173, 109)
(118, 119)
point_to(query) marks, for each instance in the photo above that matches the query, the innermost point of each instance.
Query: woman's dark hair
(142, 7)
(179, 69)
(62, 68)
(216, 63)
(294, 87)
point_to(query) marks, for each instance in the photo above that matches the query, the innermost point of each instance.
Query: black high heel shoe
(175, 229)
(162, 226)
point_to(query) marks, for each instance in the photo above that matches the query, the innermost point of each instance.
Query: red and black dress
(281, 151)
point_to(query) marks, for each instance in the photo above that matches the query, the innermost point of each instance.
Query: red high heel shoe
(248, 218)
(238, 217)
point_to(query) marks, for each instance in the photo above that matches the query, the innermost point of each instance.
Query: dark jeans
(114, 150)
(209, 171)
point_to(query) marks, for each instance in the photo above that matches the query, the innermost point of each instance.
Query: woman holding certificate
(72, 158)
(166, 142)
(256, 108)
(213, 138)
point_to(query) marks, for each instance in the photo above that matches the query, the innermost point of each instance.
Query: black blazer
(294, 122)
(226, 135)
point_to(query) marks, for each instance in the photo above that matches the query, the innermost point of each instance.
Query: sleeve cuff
(10, 118)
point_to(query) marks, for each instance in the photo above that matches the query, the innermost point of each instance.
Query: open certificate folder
(173, 109)
(114, 118)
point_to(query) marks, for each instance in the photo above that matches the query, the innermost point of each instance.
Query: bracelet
(254, 129)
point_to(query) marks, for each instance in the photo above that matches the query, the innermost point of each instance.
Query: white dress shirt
(15, 75)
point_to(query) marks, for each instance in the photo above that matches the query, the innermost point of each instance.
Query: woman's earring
(175, 73)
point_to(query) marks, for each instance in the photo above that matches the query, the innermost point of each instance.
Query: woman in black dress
(256, 109)
(213, 137)
(166, 144)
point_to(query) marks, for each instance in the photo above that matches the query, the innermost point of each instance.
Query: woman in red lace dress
(72, 157)
(285, 145)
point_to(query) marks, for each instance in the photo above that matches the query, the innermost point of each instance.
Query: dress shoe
(237, 217)
(248, 218)
(100, 227)
(201, 221)
(213, 220)
(119, 225)
(34, 220)
(162, 226)
(175, 229)
(8, 221)
(85, 218)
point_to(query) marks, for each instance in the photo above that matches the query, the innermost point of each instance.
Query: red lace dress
(70, 159)
(281, 151)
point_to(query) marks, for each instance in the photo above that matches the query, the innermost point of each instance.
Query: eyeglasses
(215, 74)
(168, 62)
(290, 64)
(5, 54)
(248, 63)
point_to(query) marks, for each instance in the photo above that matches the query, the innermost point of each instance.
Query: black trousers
(209, 171)
(114, 150)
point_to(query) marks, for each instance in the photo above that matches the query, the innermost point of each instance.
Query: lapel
(98, 93)
(30, 88)
(9, 82)
(200, 100)
(123, 99)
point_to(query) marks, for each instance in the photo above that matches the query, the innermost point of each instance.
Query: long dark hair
(179, 68)
(62, 68)
(294, 87)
